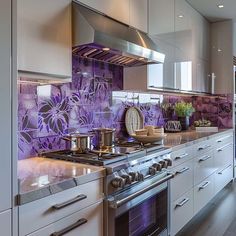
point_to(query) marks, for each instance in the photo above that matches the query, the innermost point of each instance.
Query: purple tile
(94, 99)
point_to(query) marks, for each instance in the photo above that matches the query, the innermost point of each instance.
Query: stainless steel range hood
(102, 38)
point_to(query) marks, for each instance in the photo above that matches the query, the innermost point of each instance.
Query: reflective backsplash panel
(95, 98)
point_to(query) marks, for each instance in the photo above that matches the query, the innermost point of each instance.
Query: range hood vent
(102, 38)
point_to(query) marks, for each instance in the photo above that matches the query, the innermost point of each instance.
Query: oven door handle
(116, 204)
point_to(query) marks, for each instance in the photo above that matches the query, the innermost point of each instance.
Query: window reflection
(183, 75)
(156, 77)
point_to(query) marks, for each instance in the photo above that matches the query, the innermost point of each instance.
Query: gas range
(121, 152)
(126, 164)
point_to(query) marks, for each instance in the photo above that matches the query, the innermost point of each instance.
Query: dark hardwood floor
(218, 218)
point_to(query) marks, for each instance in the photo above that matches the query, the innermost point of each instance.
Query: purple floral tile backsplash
(95, 98)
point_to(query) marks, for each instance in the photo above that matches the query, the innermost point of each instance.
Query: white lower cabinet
(200, 173)
(181, 211)
(224, 155)
(223, 177)
(180, 156)
(48, 210)
(86, 222)
(203, 166)
(183, 180)
(203, 193)
(5, 223)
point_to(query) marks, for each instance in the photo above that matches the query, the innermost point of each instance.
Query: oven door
(139, 212)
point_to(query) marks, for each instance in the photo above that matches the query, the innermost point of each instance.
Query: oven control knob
(163, 163)
(127, 178)
(118, 182)
(152, 170)
(157, 166)
(140, 176)
(169, 161)
(134, 175)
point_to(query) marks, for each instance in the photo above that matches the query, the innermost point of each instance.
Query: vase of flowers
(184, 110)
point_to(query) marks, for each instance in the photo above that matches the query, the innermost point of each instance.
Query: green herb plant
(184, 109)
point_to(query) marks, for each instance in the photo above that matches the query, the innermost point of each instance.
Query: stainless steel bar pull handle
(183, 202)
(117, 203)
(204, 185)
(181, 156)
(221, 140)
(204, 147)
(69, 202)
(70, 227)
(222, 148)
(204, 158)
(221, 172)
(181, 171)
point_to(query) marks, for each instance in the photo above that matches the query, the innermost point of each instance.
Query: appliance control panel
(137, 172)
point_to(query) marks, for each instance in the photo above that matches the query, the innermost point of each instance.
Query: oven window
(147, 218)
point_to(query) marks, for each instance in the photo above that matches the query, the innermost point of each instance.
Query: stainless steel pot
(79, 143)
(104, 138)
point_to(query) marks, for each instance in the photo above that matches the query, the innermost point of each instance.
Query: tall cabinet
(5, 118)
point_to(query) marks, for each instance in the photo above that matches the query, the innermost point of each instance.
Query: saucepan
(77, 142)
(104, 138)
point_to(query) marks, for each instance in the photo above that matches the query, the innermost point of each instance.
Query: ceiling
(209, 9)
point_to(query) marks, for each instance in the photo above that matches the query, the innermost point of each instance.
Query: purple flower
(55, 114)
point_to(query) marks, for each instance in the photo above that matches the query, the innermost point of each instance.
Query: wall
(94, 99)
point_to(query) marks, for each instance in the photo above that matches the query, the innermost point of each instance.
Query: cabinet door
(99, 5)
(30, 221)
(203, 167)
(138, 14)
(183, 180)
(181, 212)
(203, 193)
(224, 155)
(161, 17)
(118, 10)
(5, 103)
(5, 223)
(223, 177)
(87, 222)
(44, 37)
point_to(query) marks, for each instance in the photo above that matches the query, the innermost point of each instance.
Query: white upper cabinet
(139, 14)
(182, 34)
(5, 104)
(222, 56)
(161, 17)
(118, 10)
(44, 37)
(99, 5)
(130, 12)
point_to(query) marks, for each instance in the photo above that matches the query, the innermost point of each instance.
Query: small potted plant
(184, 110)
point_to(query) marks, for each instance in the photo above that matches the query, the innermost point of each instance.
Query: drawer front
(223, 177)
(5, 223)
(203, 147)
(203, 193)
(224, 155)
(88, 221)
(180, 156)
(223, 140)
(203, 167)
(37, 214)
(183, 180)
(181, 212)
